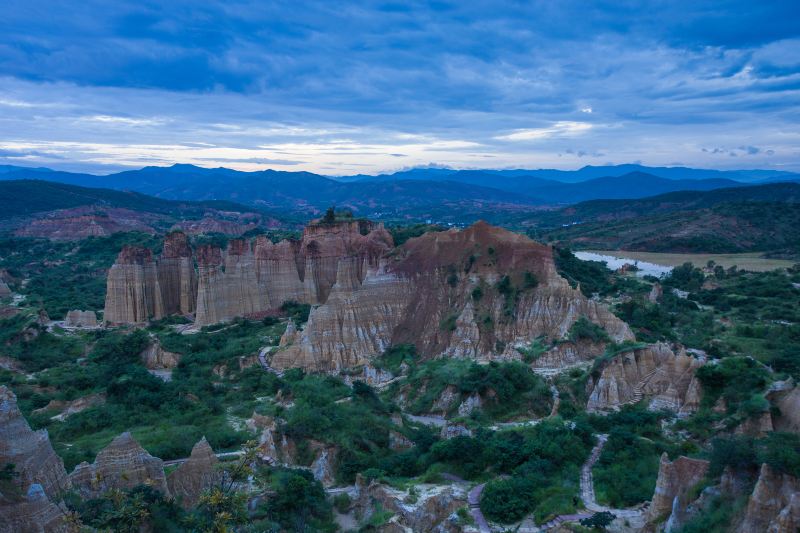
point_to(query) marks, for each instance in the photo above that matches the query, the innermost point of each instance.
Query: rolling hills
(415, 193)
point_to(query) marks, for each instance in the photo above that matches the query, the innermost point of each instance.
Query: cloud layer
(337, 87)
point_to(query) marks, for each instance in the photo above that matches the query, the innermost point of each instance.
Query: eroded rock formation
(133, 293)
(671, 497)
(154, 357)
(176, 275)
(5, 291)
(80, 319)
(787, 400)
(477, 293)
(432, 509)
(227, 285)
(655, 372)
(123, 464)
(32, 512)
(27, 501)
(65, 408)
(29, 451)
(243, 280)
(197, 474)
(774, 505)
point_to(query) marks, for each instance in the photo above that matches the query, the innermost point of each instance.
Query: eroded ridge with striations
(477, 293)
(27, 502)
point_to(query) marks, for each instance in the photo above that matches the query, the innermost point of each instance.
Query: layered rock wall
(671, 497)
(426, 293)
(655, 372)
(198, 473)
(121, 465)
(133, 293)
(242, 280)
(29, 451)
(81, 319)
(176, 275)
(774, 505)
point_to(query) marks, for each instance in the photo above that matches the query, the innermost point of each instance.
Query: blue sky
(340, 87)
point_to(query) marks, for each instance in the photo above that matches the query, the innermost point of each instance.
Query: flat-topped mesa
(476, 293)
(29, 451)
(122, 465)
(133, 293)
(176, 275)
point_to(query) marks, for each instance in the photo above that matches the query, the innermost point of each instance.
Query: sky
(340, 87)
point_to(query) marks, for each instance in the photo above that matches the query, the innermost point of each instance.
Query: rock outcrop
(154, 357)
(774, 505)
(787, 401)
(65, 408)
(242, 280)
(655, 372)
(176, 275)
(83, 222)
(433, 505)
(29, 451)
(197, 474)
(227, 285)
(671, 497)
(5, 291)
(476, 293)
(81, 319)
(133, 294)
(122, 465)
(31, 513)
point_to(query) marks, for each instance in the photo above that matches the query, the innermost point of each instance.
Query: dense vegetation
(747, 322)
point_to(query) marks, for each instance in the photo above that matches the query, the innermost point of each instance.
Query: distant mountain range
(416, 193)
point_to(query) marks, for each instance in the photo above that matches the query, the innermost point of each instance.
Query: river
(614, 262)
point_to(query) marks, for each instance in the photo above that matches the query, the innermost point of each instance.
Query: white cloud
(563, 128)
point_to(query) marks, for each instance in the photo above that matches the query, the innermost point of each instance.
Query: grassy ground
(746, 261)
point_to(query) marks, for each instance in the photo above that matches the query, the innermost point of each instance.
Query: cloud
(557, 129)
(511, 83)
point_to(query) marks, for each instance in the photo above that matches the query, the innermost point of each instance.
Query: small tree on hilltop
(330, 216)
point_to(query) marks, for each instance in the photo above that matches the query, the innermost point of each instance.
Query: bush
(584, 329)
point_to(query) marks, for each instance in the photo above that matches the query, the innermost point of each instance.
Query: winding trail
(221, 455)
(262, 359)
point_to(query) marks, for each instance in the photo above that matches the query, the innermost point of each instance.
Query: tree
(330, 216)
(599, 520)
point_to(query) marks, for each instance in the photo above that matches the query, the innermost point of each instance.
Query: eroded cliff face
(29, 451)
(786, 399)
(154, 357)
(477, 293)
(176, 275)
(27, 502)
(80, 319)
(122, 465)
(774, 505)
(133, 293)
(244, 279)
(433, 510)
(198, 473)
(671, 497)
(655, 373)
(33, 512)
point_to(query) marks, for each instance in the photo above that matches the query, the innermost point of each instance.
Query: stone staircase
(638, 390)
